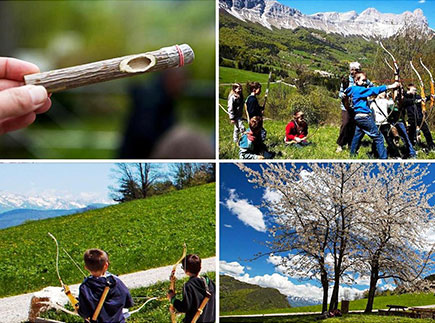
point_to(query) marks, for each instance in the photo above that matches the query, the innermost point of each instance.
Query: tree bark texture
(325, 286)
(75, 76)
(374, 277)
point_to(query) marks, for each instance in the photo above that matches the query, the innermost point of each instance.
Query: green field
(323, 142)
(137, 235)
(352, 318)
(380, 302)
(154, 311)
(231, 75)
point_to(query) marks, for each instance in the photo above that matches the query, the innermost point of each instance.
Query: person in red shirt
(296, 130)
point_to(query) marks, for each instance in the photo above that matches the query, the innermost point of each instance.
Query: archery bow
(423, 98)
(397, 92)
(423, 95)
(432, 87)
(267, 89)
(172, 279)
(74, 302)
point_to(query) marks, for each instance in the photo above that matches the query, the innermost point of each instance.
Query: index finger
(15, 69)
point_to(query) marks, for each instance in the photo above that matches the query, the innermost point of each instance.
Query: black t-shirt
(193, 294)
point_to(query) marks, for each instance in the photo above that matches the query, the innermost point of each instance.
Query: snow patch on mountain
(10, 201)
(369, 23)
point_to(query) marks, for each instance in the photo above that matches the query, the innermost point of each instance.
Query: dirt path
(15, 309)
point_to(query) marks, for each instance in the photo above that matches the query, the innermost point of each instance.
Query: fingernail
(38, 94)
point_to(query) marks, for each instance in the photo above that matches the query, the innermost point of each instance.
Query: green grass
(380, 302)
(154, 311)
(323, 142)
(352, 318)
(137, 235)
(231, 75)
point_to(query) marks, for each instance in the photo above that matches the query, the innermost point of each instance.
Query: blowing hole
(137, 64)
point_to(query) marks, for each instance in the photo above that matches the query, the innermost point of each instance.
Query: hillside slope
(236, 295)
(137, 235)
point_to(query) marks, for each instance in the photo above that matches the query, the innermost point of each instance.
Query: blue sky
(242, 234)
(312, 6)
(60, 179)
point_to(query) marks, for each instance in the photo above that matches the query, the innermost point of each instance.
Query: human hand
(233, 121)
(395, 85)
(19, 103)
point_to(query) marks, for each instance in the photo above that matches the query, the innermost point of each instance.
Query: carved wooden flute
(75, 76)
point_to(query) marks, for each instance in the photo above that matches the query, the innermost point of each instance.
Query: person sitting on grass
(199, 300)
(365, 123)
(251, 145)
(296, 130)
(102, 296)
(235, 110)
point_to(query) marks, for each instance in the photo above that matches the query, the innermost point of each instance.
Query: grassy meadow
(137, 235)
(352, 318)
(380, 302)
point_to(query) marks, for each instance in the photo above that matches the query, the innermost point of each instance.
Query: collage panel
(336, 242)
(328, 80)
(137, 238)
(108, 79)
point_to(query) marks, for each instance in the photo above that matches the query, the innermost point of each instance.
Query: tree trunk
(333, 305)
(374, 277)
(325, 286)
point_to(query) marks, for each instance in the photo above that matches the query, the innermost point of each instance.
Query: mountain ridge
(369, 23)
(11, 201)
(19, 216)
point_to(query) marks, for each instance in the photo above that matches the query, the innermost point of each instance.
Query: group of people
(376, 111)
(372, 110)
(251, 140)
(103, 296)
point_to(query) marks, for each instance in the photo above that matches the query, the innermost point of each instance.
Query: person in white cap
(347, 129)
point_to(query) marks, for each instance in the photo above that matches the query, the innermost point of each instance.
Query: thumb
(19, 101)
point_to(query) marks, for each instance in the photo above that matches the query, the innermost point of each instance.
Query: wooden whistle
(110, 69)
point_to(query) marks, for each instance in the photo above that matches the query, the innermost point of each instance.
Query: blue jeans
(366, 125)
(401, 129)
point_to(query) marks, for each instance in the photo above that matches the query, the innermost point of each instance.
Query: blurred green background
(90, 122)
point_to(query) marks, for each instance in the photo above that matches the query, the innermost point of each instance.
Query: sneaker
(339, 149)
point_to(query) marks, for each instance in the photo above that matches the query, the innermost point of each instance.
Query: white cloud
(288, 288)
(246, 212)
(387, 287)
(429, 236)
(233, 269)
(228, 226)
(248, 268)
(272, 196)
(363, 280)
(421, 1)
(277, 262)
(280, 282)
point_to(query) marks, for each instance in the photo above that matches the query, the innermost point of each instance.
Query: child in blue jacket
(365, 123)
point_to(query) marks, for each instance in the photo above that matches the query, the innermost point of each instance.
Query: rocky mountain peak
(369, 23)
